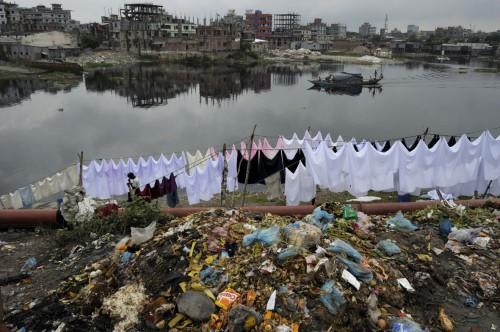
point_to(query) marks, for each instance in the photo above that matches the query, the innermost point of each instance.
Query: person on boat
(375, 73)
(133, 186)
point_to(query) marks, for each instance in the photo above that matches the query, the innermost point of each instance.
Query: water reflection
(13, 92)
(146, 86)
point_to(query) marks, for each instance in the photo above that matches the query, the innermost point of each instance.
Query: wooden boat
(342, 80)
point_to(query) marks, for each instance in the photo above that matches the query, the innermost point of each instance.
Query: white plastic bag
(141, 235)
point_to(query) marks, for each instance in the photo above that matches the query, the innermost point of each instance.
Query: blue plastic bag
(289, 253)
(360, 272)
(339, 247)
(445, 226)
(29, 265)
(321, 219)
(266, 236)
(211, 276)
(401, 223)
(331, 297)
(388, 247)
(405, 325)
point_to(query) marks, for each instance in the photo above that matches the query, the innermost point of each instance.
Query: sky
(428, 14)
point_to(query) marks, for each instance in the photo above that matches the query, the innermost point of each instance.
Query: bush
(138, 213)
(88, 40)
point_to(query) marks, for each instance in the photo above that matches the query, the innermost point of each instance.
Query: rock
(196, 306)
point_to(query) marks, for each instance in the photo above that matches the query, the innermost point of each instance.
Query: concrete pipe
(33, 218)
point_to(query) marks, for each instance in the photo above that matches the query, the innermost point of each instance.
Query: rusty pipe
(27, 218)
(47, 217)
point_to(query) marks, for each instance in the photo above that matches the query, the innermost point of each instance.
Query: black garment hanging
(414, 145)
(268, 167)
(387, 146)
(292, 164)
(254, 168)
(434, 141)
(452, 141)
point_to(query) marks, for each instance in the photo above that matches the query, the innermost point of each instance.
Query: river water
(146, 110)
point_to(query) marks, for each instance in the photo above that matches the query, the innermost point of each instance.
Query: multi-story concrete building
(318, 28)
(35, 19)
(338, 31)
(367, 30)
(413, 29)
(260, 23)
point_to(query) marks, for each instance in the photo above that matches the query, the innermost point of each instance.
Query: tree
(88, 40)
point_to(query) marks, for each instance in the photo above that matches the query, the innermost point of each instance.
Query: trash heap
(336, 269)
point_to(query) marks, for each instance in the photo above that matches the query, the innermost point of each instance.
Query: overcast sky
(428, 14)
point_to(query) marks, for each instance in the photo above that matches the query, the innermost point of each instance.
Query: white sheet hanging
(299, 186)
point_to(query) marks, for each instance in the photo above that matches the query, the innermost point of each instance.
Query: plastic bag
(266, 236)
(288, 253)
(360, 272)
(405, 325)
(445, 226)
(388, 247)
(363, 224)
(465, 235)
(349, 213)
(321, 218)
(331, 297)
(301, 234)
(401, 223)
(243, 318)
(212, 277)
(29, 265)
(141, 235)
(339, 246)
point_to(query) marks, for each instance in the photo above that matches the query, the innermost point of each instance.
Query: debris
(243, 318)
(266, 237)
(424, 258)
(446, 323)
(227, 298)
(29, 265)
(271, 303)
(445, 227)
(125, 305)
(405, 324)
(195, 305)
(140, 235)
(388, 247)
(347, 276)
(301, 234)
(359, 271)
(401, 223)
(406, 285)
(348, 213)
(267, 267)
(331, 297)
(373, 311)
(339, 246)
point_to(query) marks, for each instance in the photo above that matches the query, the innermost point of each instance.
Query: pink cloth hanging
(255, 149)
(269, 151)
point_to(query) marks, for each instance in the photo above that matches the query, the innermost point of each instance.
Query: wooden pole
(224, 178)
(80, 180)
(248, 167)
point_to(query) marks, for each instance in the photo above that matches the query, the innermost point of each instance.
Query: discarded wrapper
(271, 303)
(403, 282)
(227, 298)
(347, 276)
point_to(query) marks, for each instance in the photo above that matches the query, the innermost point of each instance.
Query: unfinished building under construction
(286, 23)
(141, 24)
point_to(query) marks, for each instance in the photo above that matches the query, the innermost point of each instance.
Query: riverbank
(61, 80)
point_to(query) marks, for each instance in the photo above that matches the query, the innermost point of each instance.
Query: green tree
(88, 40)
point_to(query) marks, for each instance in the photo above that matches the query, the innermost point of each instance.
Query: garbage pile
(295, 54)
(336, 269)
